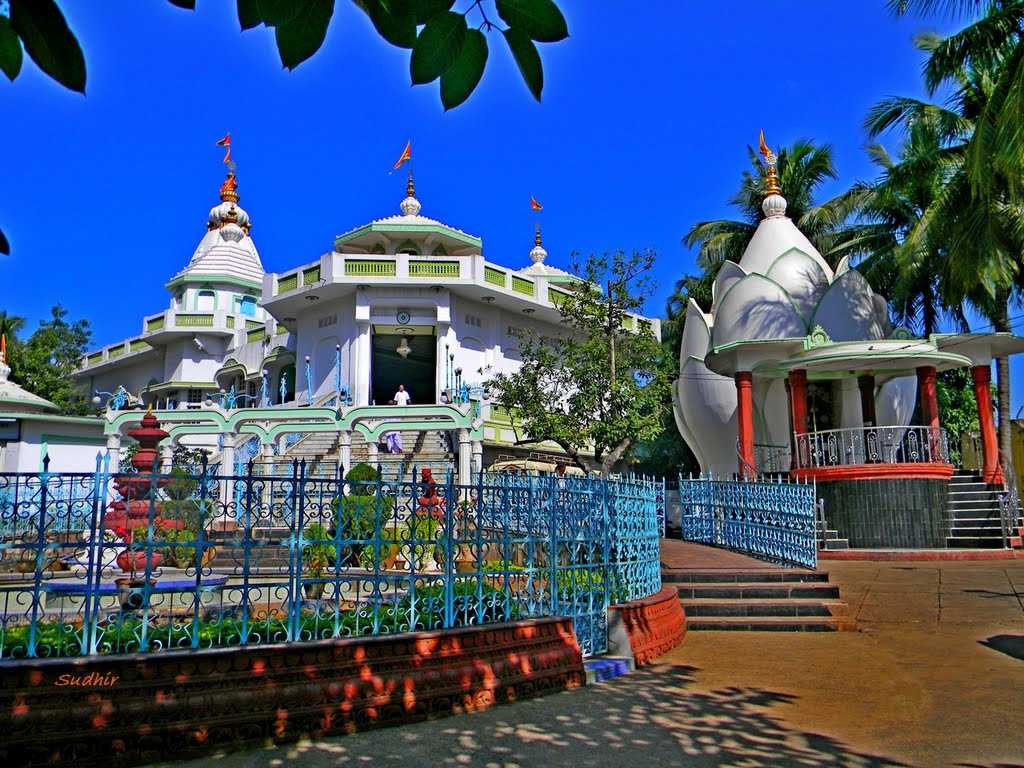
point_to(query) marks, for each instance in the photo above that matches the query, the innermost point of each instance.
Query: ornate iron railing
(235, 560)
(772, 521)
(771, 458)
(872, 445)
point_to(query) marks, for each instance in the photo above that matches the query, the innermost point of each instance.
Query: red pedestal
(990, 472)
(745, 423)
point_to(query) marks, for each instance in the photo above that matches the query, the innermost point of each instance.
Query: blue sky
(642, 131)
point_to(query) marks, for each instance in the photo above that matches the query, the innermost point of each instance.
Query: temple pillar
(361, 378)
(851, 406)
(796, 399)
(114, 452)
(465, 458)
(866, 385)
(478, 456)
(166, 455)
(227, 468)
(344, 451)
(745, 423)
(927, 393)
(991, 471)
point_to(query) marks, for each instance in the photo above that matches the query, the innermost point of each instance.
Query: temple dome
(16, 398)
(226, 249)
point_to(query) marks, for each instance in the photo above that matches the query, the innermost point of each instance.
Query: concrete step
(702, 607)
(745, 575)
(770, 624)
(758, 591)
(833, 544)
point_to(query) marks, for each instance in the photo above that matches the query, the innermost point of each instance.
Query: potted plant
(386, 553)
(131, 591)
(316, 558)
(181, 552)
(355, 514)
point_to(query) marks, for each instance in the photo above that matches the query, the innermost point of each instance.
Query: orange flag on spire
(535, 205)
(226, 143)
(404, 157)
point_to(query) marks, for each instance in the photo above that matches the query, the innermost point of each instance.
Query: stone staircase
(422, 449)
(828, 538)
(973, 513)
(762, 599)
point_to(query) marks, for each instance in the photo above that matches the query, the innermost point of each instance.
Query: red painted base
(140, 708)
(875, 472)
(654, 625)
(885, 555)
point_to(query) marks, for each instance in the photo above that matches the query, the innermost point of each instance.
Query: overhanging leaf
(394, 20)
(5, 247)
(189, 5)
(437, 47)
(49, 41)
(527, 58)
(459, 80)
(539, 19)
(301, 37)
(249, 14)
(277, 12)
(10, 49)
(428, 9)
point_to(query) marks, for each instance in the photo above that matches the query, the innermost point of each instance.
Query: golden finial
(536, 237)
(3, 349)
(229, 189)
(410, 187)
(772, 182)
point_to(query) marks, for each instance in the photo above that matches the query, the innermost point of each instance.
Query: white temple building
(402, 300)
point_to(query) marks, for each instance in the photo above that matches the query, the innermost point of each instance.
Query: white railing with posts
(872, 445)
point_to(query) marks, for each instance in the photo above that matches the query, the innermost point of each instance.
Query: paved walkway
(678, 554)
(934, 677)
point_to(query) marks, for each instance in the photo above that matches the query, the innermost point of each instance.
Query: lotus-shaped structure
(781, 321)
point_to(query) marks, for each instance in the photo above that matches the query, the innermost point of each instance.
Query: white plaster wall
(133, 377)
(66, 455)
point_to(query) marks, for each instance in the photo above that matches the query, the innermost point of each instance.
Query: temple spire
(774, 204)
(410, 206)
(229, 189)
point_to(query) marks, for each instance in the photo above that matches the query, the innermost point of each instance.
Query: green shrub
(318, 552)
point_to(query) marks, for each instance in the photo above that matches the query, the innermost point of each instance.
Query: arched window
(287, 375)
(409, 248)
(247, 306)
(440, 250)
(206, 301)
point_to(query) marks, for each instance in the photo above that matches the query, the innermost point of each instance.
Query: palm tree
(802, 168)
(992, 42)
(889, 209)
(978, 226)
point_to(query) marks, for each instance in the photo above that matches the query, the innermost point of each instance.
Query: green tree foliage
(603, 385)
(45, 362)
(958, 407)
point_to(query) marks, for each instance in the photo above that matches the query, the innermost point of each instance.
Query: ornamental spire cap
(538, 254)
(229, 189)
(410, 206)
(774, 204)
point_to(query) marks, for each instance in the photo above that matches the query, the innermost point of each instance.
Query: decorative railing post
(94, 567)
(296, 542)
(450, 496)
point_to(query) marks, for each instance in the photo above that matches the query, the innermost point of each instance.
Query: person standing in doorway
(401, 396)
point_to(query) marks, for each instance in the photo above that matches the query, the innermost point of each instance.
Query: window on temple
(247, 306)
(206, 301)
(195, 396)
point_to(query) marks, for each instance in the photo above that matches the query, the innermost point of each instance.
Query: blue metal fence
(772, 521)
(246, 559)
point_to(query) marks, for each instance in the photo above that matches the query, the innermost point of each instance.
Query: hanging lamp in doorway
(403, 347)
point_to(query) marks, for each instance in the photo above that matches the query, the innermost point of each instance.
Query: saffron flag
(535, 205)
(226, 143)
(405, 156)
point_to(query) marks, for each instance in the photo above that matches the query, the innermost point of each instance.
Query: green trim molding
(215, 278)
(385, 227)
(72, 439)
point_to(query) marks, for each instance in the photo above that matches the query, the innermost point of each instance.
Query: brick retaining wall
(146, 707)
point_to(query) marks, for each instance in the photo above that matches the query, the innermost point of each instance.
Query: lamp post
(337, 373)
(309, 382)
(265, 388)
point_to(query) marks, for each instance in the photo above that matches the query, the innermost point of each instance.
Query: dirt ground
(934, 676)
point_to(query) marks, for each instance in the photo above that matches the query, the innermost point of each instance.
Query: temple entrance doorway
(404, 355)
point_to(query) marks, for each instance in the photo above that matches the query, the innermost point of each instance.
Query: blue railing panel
(207, 560)
(772, 521)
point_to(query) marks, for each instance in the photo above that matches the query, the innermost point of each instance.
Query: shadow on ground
(649, 718)
(1011, 645)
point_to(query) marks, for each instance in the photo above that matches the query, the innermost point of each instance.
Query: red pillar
(990, 472)
(745, 422)
(797, 388)
(929, 400)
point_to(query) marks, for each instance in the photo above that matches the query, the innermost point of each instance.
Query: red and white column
(797, 386)
(745, 423)
(991, 471)
(930, 410)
